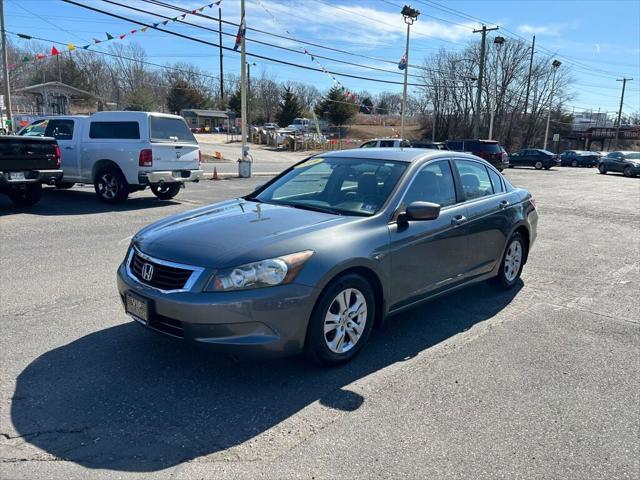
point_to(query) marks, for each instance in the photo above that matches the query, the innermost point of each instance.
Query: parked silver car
(317, 256)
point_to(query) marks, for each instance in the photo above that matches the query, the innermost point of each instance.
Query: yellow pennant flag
(201, 9)
(144, 29)
(71, 47)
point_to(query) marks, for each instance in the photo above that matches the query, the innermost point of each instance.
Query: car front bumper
(32, 176)
(266, 321)
(170, 176)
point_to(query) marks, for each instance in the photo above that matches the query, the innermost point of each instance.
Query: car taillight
(146, 158)
(58, 156)
(199, 157)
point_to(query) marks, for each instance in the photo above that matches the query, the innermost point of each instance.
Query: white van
(124, 152)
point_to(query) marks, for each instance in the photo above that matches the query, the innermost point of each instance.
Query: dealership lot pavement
(540, 382)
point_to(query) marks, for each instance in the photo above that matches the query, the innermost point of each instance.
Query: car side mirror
(420, 211)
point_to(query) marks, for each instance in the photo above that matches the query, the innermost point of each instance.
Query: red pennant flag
(133, 31)
(40, 56)
(122, 36)
(54, 51)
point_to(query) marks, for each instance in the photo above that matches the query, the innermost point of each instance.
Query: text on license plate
(137, 307)
(16, 175)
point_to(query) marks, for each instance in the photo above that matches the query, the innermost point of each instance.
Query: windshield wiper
(313, 208)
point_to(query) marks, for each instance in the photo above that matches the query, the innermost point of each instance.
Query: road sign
(556, 137)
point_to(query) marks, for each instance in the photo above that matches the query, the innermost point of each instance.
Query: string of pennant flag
(349, 94)
(55, 51)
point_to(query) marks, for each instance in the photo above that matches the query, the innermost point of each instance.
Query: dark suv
(490, 150)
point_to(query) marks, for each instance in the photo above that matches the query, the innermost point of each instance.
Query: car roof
(396, 154)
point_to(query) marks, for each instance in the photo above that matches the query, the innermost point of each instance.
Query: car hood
(231, 233)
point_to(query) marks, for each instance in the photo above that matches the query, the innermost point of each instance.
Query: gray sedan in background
(314, 259)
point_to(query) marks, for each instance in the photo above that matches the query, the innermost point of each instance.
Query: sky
(598, 40)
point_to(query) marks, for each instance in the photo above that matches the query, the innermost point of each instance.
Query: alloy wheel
(108, 186)
(513, 260)
(345, 320)
(538, 165)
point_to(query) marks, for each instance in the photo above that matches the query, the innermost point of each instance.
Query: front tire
(166, 191)
(627, 172)
(111, 186)
(602, 169)
(512, 262)
(538, 165)
(341, 321)
(26, 197)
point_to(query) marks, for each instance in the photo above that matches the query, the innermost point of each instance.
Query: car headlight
(265, 273)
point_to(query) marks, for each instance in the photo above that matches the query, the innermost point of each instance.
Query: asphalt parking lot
(540, 382)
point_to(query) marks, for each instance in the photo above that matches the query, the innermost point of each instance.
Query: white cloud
(550, 30)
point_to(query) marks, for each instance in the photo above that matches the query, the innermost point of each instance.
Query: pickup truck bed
(25, 164)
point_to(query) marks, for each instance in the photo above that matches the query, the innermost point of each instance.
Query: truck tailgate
(175, 156)
(27, 153)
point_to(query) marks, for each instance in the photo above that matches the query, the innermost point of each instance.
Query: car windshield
(36, 129)
(342, 186)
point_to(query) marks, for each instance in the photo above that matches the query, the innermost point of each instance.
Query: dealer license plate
(137, 307)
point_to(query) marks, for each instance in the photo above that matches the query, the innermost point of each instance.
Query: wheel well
(101, 165)
(376, 285)
(522, 230)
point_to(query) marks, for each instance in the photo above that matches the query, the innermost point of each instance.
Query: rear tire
(341, 321)
(111, 186)
(602, 169)
(538, 165)
(627, 172)
(64, 185)
(512, 262)
(26, 197)
(167, 191)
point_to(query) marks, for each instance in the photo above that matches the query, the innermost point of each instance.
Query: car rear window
(490, 147)
(163, 129)
(115, 130)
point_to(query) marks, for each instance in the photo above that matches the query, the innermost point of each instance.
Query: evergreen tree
(366, 106)
(338, 107)
(235, 102)
(289, 107)
(182, 96)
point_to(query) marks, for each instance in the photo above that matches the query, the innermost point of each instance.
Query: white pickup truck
(123, 152)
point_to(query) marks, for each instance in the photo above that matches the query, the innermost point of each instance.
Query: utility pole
(409, 15)
(249, 91)
(5, 70)
(555, 64)
(526, 97)
(221, 63)
(498, 42)
(624, 81)
(476, 116)
(244, 164)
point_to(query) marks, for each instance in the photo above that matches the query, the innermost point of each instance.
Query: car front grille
(158, 275)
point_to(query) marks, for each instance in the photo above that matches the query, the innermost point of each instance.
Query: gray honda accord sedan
(314, 259)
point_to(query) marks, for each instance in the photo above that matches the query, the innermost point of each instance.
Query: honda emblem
(147, 272)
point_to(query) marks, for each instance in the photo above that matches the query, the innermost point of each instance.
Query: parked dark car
(429, 145)
(325, 250)
(579, 158)
(490, 150)
(25, 164)
(628, 163)
(534, 157)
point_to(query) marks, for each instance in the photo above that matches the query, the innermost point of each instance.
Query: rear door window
(496, 181)
(115, 130)
(60, 129)
(371, 144)
(387, 143)
(163, 129)
(475, 179)
(490, 147)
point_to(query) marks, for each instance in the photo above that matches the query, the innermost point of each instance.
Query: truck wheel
(26, 197)
(166, 191)
(64, 185)
(111, 186)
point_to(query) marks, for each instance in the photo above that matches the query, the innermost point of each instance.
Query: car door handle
(503, 204)
(458, 220)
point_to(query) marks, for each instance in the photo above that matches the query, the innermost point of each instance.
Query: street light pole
(244, 164)
(476, 114)
(498, 42)
(555, 66)
(249, 91)
(409, 15)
